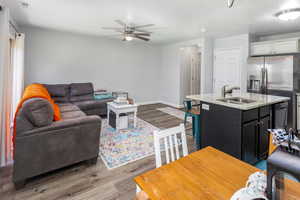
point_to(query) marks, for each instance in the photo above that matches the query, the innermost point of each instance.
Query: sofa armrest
(62, 124)
(61, 144)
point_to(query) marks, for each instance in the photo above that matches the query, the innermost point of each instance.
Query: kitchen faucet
(229, 90)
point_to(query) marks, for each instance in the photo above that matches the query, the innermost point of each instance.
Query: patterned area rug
(127, 145)
(175, 112)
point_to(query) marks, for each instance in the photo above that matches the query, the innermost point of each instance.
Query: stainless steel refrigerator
(279, 76)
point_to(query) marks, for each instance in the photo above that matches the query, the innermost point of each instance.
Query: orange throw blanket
(36, 91)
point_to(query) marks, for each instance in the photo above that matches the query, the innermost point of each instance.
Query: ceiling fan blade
(142, 34)
(112, 28)
(141, 30)
(143, 26)
(120, 34)
(142, 38)
(120, 31)
(120, 22)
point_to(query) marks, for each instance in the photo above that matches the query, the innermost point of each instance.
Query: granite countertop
(260, 100)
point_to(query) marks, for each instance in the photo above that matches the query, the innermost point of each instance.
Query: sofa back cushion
(35, 112)
(59, 92)
(39, 112)
(81, 92)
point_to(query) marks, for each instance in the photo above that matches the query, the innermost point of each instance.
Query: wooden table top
(205, 174)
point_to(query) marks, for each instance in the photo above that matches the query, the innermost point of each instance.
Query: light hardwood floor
(95, 182)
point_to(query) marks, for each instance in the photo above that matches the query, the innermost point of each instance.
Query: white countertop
(260, 100)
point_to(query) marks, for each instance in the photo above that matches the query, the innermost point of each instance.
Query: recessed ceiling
(175, 20)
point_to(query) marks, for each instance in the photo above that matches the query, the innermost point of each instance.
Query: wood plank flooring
(96, 182)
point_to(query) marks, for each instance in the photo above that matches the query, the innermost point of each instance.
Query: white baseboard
(147, 103)
(171, 104)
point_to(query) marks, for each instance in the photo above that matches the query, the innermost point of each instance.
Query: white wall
(170, 75)
(170, 69)
(60, 57)
(239, 41)
(207, 66)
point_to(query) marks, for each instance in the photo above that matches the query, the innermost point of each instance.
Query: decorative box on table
(120, 95)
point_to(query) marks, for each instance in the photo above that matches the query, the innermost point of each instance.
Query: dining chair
(170, 144)
(191, 111)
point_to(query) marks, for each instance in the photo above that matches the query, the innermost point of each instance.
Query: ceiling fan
(131, 31)
(230, 3)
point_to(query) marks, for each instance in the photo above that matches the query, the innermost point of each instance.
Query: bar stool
(195, 114)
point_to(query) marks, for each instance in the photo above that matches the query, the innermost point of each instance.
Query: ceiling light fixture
(230, 3)
(128, 38)
(289, 14)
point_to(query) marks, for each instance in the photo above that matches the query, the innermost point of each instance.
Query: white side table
(119, 109)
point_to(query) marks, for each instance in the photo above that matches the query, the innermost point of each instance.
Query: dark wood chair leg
(20, 184)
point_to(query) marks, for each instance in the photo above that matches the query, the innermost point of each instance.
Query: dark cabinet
(250, 131)
(263, 137)
(280, 115)
(240, 133)
(255, 136)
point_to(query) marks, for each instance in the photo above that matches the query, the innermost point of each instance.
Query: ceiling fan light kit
(128, 38)
(131, 31)
(289, 14)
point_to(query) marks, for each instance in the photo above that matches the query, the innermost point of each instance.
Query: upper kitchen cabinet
(275, 47)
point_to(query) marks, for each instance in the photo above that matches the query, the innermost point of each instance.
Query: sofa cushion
(78, 89)
(81, 92)
(38, 111)
(67, 107)
(72, 114)
(92, 104)
(58, 92)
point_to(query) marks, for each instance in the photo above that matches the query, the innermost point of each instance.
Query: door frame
(240, 63)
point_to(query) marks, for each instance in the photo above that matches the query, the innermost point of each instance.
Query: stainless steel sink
(236, 100)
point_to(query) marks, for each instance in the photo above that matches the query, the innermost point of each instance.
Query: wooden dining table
(205, 174)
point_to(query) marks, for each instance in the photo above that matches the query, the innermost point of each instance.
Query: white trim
(171, 104)
(147, 103)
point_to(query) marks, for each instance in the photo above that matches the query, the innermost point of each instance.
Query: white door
(227, 68)
(190, 63)
(195, 72)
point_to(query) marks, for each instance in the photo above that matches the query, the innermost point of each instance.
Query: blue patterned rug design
(118, 148)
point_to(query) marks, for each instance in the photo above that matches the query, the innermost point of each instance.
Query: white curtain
(18, 70)
(5, 89)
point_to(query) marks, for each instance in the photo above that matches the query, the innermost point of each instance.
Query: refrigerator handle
(266, 83)
(263, 80)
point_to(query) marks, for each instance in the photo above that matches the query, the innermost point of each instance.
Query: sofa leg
(20, 184)
(92, 161)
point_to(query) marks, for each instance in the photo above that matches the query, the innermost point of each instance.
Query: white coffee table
(119, 109)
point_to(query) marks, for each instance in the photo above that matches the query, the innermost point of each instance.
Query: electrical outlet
(205, 106)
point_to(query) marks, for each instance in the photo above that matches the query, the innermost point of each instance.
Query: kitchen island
(237, 124)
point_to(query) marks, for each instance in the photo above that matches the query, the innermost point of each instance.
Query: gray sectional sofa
(42, 145)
